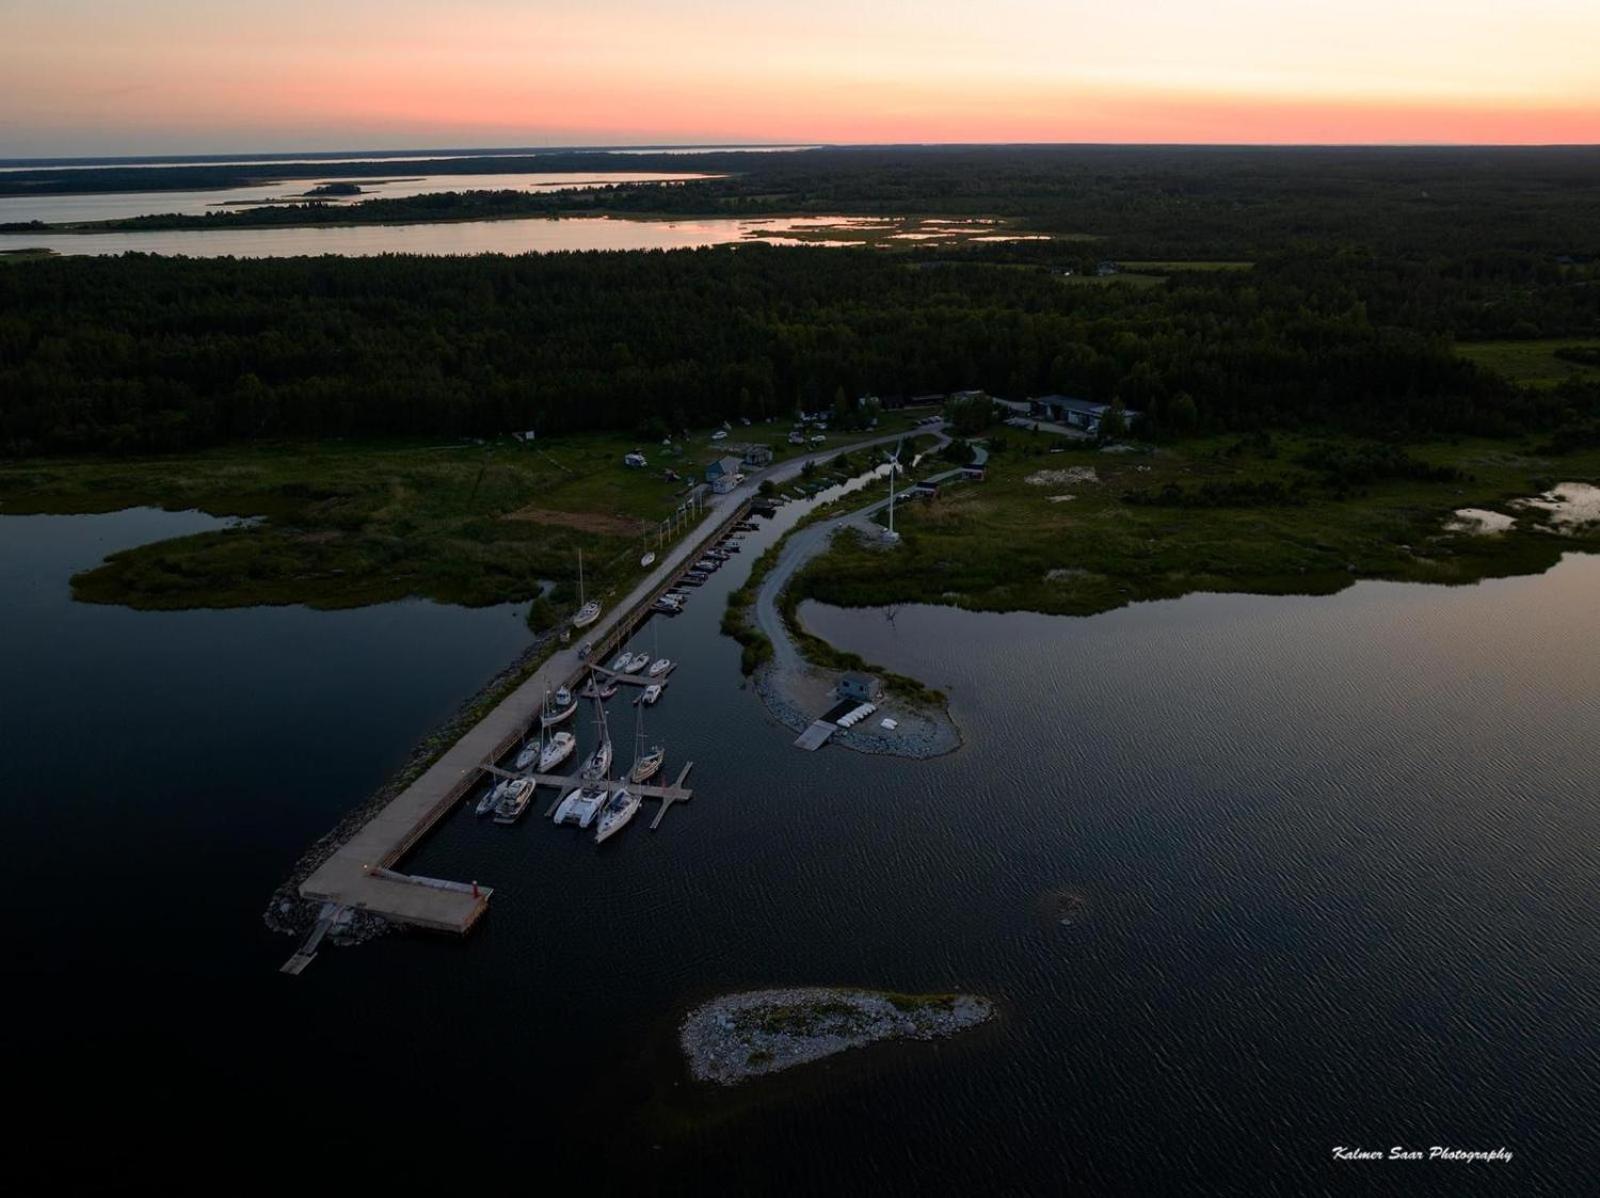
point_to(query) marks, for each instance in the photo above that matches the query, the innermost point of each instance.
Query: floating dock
(814, 737)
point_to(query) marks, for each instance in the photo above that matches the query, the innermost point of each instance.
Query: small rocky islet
(740, 1036)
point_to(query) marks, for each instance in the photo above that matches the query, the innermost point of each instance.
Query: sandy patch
(1056, 478)
(1480, 522)
(1570, 506)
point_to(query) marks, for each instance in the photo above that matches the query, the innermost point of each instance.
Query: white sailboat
(658, 667)
(636, 663)
(598, 764)
(557, 749)
(645, 762)
(615, 814)
(589, 612)
(491, 797)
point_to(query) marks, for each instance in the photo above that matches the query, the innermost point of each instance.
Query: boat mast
(580, 579)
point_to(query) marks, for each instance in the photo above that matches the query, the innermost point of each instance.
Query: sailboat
(559, 747)
(590, 611)
(491, 797)
(645, 764)
(598, 764)
(558, 707)
(618, 810)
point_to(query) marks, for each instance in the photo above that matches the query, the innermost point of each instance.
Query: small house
(723, 475)
(862, 688)
(758, 455)
(925, 490)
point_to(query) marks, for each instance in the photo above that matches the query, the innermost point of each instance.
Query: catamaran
(519, 792)
(618, 810)
(558, 707)
(580, 806)
(590, 611)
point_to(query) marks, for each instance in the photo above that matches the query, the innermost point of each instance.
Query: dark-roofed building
(1085, 414)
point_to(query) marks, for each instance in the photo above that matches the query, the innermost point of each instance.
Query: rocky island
(741, 1036)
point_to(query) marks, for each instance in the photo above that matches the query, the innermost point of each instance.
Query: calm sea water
(1337, 857)
(517, 236)
(122, 204)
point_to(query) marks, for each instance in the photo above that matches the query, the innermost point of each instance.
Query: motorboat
(658, 667)
(556, 750)
(636, 663)
(651, 694)
(615, 814)
(519, 793)
(558, 707)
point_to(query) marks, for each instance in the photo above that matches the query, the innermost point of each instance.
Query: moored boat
(651, 694)
(636, 663)
(556, 750)
(558, 707)
(579, 806)
(616, 813)
(658, 667)
(519, 793)
(491, 797)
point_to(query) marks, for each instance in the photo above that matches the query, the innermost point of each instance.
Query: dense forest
(1367, 266)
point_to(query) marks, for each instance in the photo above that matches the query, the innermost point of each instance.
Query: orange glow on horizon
(87, 76)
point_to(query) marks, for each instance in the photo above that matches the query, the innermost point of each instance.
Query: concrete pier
(361, 872)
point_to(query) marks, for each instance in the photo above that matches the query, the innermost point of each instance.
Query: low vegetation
(1275, 515)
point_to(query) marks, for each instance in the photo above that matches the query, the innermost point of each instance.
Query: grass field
(1175, 266)
(343, 524)
(1531, 363)
(1011, 544)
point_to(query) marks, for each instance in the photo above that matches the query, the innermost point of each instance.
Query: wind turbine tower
(894, 468)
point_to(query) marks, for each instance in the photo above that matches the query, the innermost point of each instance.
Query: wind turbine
(894, 469)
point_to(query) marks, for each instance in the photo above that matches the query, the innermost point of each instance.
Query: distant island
(336, 189)
(740, 1036)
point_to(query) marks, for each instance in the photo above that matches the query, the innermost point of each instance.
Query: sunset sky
(134, 76)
